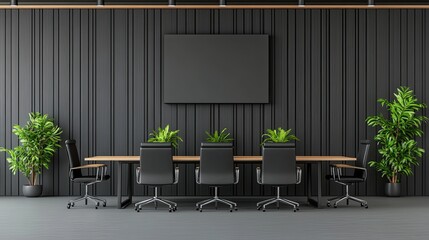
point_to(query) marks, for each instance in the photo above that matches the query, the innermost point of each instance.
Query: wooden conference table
(131, 160)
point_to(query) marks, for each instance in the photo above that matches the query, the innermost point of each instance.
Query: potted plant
(278, 135)
(219, 137)
(163, 135)
(396, 137)
(39, 140)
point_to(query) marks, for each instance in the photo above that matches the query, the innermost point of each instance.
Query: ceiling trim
(129, 6)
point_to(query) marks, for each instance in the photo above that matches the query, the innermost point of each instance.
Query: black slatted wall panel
(98, 73)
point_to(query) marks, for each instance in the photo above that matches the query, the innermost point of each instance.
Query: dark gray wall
(98, 74)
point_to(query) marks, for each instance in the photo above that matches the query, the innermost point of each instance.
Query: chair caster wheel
(263, 210)
(104, 204)
(68, 206)
(294, 210)
(98, 204)
(135, 208)
(170, 210)
(96, 207)
(197, 208)
(297, 209)
(230, 210)
(328, 204)
(201, 210)
(236, 209)
(259, 208)
(364, 205)
(335, 206)
(138, 210)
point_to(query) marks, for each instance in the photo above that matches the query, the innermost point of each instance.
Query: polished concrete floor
(404, 218)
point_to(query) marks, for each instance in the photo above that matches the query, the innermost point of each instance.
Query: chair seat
(156, 184)
(346, 179)
(89, 178)
(275, 184)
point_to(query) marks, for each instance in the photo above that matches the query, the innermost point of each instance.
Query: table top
(179, 159)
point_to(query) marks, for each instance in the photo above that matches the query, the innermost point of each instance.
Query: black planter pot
(32, 191)
(393, 189)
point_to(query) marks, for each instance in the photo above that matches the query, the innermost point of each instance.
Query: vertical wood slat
(3, 97)
(15, 93)
(98, 73)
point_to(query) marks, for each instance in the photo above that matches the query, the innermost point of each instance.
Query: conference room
(208, 119)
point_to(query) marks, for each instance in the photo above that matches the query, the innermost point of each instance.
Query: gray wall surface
(98, 74)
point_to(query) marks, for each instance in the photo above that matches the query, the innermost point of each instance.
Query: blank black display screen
(216, 69)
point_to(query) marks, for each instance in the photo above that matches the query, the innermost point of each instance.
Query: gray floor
(402, 218)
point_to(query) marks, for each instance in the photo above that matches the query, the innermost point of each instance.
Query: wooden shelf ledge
(215, 7)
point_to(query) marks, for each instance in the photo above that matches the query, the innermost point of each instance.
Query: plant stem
(32, 177)
(394, 178)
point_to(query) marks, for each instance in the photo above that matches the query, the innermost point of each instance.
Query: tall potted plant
(165, 135)
(39, 139)
(396, 137)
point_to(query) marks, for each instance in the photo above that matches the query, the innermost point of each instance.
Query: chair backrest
(217, 163)
(362, 157)
(156, 163)
(74, 160)
(278, 163)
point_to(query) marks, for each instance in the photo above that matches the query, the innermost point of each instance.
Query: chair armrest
(101, 170)
(337, 173)
(138, 180)
(237, 175)
(347, 166)
(298, 175)
(258, 175)
(176, 175)
(197, 175)
(89, 166)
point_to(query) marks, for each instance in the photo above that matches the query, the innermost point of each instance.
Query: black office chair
(359, 175)
(278, 169)
(216, 169)
(75, 175)
(156, 169)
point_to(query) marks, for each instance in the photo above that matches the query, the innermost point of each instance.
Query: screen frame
(265, 92)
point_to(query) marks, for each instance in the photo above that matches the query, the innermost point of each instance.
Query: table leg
(319, 184)
(310, 199)
(130, 182)
(119, 184)
(308, 181)
(126, 202)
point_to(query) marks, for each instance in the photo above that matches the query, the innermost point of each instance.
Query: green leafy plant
(278, 135)
(39, 139)
(399, 150)
(165, 135)
(219, 137)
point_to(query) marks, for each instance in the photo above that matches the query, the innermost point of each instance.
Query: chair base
(347, 197)
(87, 197)
(172, 206)
(216, 200)
(263, 204)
